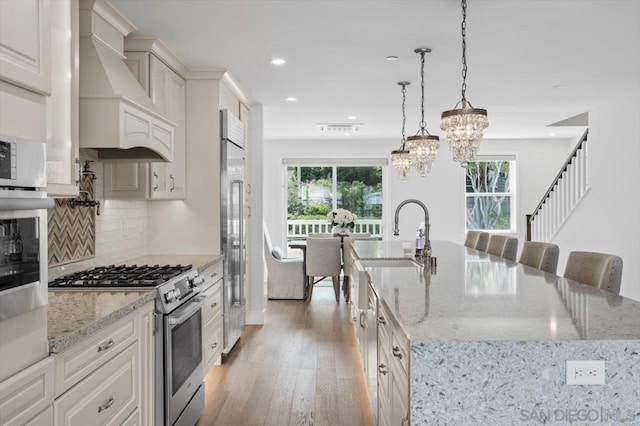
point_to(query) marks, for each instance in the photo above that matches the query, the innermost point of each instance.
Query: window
(490, 195)
(314, 191)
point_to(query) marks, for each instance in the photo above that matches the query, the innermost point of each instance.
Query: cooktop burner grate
(121, 276)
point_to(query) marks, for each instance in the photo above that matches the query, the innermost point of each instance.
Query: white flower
(342, 217)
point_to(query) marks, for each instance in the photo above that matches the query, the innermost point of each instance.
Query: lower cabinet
(393, 372)
(212, 337)
(108, 379)
(26, 398)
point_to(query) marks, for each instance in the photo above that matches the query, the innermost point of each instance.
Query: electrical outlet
(585, 372)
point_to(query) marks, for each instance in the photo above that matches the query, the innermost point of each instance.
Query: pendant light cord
(404, 116)
(464, 51)
(423, 125)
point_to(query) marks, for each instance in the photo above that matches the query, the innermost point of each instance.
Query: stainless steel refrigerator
(233, 227)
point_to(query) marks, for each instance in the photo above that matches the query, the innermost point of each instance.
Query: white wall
(608, 219)
(538, 161)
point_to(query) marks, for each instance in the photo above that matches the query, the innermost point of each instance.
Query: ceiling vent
(339, 128)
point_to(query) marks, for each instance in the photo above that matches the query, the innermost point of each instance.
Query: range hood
(117, 118)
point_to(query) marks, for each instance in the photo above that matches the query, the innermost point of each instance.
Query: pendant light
(464, 124)
(423, 146)
(401, 158)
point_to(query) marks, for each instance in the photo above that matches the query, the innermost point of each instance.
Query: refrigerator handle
(238, 300)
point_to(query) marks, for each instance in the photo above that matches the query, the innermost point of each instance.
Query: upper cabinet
(154, 66)
(25, 45)
(62, 105)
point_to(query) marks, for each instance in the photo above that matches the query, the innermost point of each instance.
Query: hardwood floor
(300, 368)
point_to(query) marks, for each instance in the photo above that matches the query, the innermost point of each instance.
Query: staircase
(563, 196)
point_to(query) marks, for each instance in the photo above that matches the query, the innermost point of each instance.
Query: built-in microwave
(23, 226)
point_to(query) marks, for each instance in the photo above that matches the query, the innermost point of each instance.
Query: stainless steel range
(178, 344)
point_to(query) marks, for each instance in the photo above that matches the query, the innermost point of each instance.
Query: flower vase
(341, 230)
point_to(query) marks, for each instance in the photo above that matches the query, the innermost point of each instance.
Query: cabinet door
(167, 90)
(399, 398)
(126, 181)
(25, 48)
(62, 106)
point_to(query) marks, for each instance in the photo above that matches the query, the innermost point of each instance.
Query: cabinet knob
(383, 369)
(213, 345)
(381, 320)
(397, 352)
(107, 405)
(214, 304)
(405, 420)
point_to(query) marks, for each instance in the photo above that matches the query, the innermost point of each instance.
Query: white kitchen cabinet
(25, 396)
(393, 372)
(108, 396)
(63, 166)
(212, 330)
(167, 89)
(25, 48)
(109, 377)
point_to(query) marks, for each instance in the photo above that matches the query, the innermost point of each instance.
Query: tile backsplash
(121, 230)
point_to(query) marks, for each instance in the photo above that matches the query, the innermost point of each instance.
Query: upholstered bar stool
(477, 240)
(323, 260)
(598, 270)
(543, 256)
(503, 246)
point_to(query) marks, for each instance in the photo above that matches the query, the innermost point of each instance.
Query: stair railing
(562, 197)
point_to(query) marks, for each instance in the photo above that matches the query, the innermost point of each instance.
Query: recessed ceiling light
(552, 134)
(560, 86)
(352, 117)
(292, 99)
(347, 134)
(278, 61)
(392, 58)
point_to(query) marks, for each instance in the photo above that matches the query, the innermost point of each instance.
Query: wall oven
(23, 226)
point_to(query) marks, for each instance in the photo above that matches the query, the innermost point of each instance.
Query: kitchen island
(489, 338)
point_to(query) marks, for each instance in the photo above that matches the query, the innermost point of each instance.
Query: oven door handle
(188, 311)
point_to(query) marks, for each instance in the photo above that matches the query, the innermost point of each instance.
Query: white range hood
(117, 117)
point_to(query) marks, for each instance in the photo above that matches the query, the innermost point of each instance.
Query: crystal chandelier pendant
(401, 160)
(424, 149)
(464, 128)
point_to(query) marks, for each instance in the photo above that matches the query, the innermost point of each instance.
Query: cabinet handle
(173, 183)
(107, 405)
(248, 188)
(214, 274)
(396, 352)
(249, 208)
(405, 419)
(362, 315)
(214, 345)
(155, 187)
(213, 305)
(105, 346)
(383, 369)
(381, 320)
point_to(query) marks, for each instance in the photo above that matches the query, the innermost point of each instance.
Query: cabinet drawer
(27, 393)
(79, 361)
(212, 303)
(106, 397)
(211, 342)
(212, 274)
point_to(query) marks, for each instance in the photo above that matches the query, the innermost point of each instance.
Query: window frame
(512, 194)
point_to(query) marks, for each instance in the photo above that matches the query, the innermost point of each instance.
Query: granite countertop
(473, 296)
(74, 315)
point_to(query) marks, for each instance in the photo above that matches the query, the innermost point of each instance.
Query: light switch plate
(585, 373)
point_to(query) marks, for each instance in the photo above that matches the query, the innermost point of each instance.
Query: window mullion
(334, 188)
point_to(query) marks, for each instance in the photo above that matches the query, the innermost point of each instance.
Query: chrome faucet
(426, 251)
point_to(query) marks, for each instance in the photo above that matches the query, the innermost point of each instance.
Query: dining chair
(347, 261)
(599, 270)
(543, 256)
(323, 260)
(503, 246)
(285, 276)
(477, 240)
